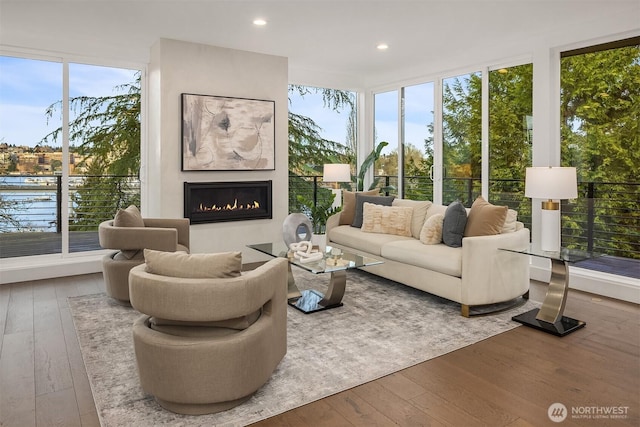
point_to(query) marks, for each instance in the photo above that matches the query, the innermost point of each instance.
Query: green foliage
(106, 131)
(600, 110)
(369, 161)
(308, 150)
(318, 211)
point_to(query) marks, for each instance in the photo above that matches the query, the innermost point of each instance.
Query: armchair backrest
(209, 299)
(162, 234)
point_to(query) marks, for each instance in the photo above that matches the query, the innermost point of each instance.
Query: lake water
(26, 200)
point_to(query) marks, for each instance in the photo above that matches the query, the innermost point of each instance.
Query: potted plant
(318, 212)
(366, 165)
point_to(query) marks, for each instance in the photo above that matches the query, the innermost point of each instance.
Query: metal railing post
(590, 214)
(59, 204)
(315, 191)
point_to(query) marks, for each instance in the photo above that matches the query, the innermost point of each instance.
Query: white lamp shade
(336, 172)
(551, 182)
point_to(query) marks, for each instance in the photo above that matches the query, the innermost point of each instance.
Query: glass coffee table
(335, 261)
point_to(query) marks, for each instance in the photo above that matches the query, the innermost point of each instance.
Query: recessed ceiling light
(259, 22)
(382, 46)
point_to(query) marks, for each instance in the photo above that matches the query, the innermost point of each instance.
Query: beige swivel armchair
(205, 345)
(130, 237)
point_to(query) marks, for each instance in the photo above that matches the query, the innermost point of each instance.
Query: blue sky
(28, 87)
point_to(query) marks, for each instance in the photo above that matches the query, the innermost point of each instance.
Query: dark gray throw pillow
(376, 200)
(455, 219)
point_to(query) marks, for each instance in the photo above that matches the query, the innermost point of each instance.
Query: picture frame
(227, 134)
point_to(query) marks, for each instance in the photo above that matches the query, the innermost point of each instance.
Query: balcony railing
(605, 217)
(31, 211)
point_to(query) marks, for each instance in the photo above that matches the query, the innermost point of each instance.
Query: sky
(29, 87)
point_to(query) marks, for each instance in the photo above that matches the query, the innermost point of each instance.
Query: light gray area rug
(383, 327)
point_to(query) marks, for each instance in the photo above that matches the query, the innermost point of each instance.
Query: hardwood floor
(507, 380)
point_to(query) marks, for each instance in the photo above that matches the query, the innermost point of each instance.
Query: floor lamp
(551, 184)
(335, 173)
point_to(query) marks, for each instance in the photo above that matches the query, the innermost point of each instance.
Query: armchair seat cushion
(237, 323)
(129, 256)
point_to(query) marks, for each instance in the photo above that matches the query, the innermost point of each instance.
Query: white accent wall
(178, 67)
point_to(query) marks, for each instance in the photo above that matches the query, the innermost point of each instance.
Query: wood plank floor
(507, 380)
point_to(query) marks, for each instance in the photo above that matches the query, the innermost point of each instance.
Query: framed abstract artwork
(221, 133)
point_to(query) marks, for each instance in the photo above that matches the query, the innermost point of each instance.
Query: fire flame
(229, 207)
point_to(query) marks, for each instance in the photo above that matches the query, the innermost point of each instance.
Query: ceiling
(334, 37)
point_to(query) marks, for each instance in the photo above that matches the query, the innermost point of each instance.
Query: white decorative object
(296, 228)
(303, 251)
(551, 184)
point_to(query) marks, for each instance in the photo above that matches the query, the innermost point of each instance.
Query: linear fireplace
(206, 202)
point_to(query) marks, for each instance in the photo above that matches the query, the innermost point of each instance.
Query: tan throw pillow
(485, 219)
(386, 219)
(420, 208)
(509, 225)
(431, 232)
(129, 217)
(193, 266)
(349, 205)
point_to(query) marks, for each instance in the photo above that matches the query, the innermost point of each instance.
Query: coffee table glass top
(333, 259)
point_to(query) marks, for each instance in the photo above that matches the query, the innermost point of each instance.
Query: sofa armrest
(490, 275)
(332, 222)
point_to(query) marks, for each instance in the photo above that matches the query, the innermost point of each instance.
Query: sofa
(471, 271)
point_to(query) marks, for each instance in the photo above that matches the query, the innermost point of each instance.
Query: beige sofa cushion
(387, 219)
(485, 219)
(355, 239)
(431, 233)
(509, 225)
(361, 199)
(349, 205)
(440, 258)
(129, 217)
(420, 208)
(196, 266)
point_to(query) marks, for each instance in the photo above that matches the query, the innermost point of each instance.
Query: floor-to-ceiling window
(462, 138)
(70, 152)
(386, 121)
(510, 137)
(417, 140)
(600, 131)
(322, 130)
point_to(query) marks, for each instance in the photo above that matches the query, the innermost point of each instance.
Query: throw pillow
(129, 217)
(419, 213)
(193, 266)
(349, 205)
(509, 225)
(485, 219)
(361, 199)
(455, 219)
(387, 219)
(431, 233)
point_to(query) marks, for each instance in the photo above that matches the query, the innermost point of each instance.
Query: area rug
(382, 328)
